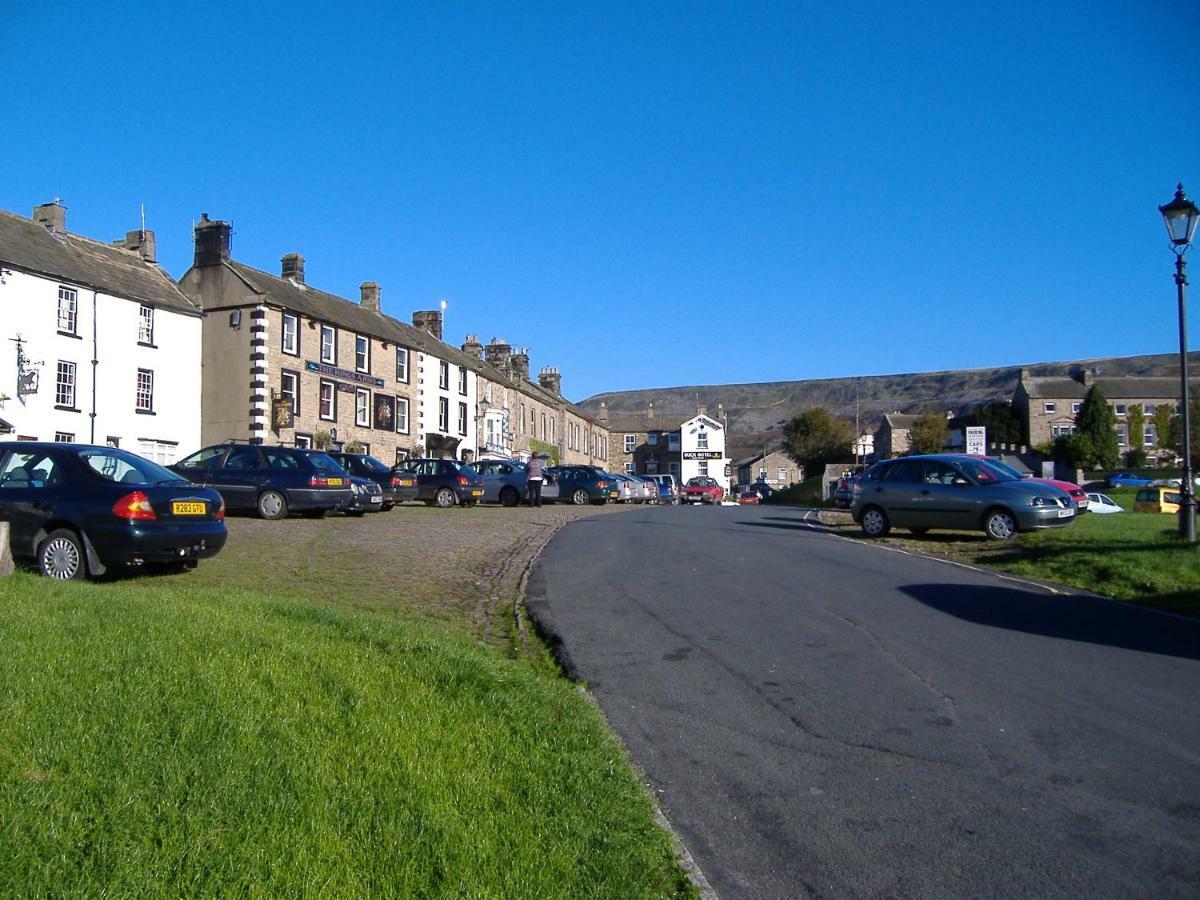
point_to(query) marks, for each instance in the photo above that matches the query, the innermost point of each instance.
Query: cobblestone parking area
(460, 566)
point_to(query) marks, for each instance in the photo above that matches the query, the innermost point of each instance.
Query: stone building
(655, 443)
(770, 465)
(893, 437)
(104, 346)
(1048, 405)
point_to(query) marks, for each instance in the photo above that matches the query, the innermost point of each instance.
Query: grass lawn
(217, 733)
(1137, 557)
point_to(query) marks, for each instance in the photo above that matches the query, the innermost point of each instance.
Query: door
(898, 492)
(29, 484)
(238, 479)
(942, 502)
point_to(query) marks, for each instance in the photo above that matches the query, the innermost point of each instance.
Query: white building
(101, 345)
(702, 448)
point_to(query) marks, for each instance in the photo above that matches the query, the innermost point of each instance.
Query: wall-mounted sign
(385, 412)
(281, 413)
(27, 383)
(335, 372)
(701, 454)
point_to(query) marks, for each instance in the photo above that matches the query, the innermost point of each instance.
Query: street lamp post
(1180, 216)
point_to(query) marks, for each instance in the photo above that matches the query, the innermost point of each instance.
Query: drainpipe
(95, 363)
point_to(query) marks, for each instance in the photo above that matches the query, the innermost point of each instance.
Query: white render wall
(688, 442)
(428, 394)
(29, 307)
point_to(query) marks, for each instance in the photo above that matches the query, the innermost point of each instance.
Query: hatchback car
(585, 484)
(506, 481)
(748, 498)
(444, 482)
(1103, 504)
(79, 510)
(1158, 499)
(394, 488)
(1128, 479)
(958, 492)
(668, 488)
(271, 481)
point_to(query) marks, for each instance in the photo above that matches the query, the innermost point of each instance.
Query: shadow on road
(1083, 619)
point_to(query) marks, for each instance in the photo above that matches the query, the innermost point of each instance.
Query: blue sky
(647, 195)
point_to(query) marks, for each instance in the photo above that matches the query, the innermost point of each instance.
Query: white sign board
(977, 440)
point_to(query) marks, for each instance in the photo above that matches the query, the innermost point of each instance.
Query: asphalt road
(823, 718)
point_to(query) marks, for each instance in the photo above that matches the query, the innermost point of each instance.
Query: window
(1122, 435)
(304, 441)
(68, 309)
(362, 407)
(329, 344)
(1148, 408)
(652, 466)
(290, 342)
(402, 364)
(543, 426)
(1075, 407)
(630, 443)
(24, 469)
(402, 415)
(462, 380)
(1048, 406)
(64, 437)
(327, 405)
(1122, 409)
(145, 391)
(702, 467)
(783, 474)
(702, 440)
(1150, 435)
(444, 376)
(289, 386)
(362, 353)
(162, 452)
(1062, 430)
(630, 469)
(652, 439)
(673, 443)
(673, 469)
(443, 414)
(146, 325)
(462, 418)
(64, 385)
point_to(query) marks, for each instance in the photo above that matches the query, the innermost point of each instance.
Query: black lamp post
(1181, 216)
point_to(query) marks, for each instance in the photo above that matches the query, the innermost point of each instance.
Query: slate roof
(1129, 387)
(900, 420)
(29, 247)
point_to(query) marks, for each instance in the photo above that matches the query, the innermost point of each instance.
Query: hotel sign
(701, 454)
(345, 374)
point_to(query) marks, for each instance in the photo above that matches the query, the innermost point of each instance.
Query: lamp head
(1180, 217)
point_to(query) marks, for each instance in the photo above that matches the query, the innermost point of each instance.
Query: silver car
(960, 492)
(506, 481)
(629, 493)
(648, 489)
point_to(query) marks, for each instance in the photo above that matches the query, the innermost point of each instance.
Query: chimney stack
(1089, 377)
(497, 353)
(520, 363)
(701, 409)
(472, 347)
(368, 294)
(51, 216)
(142, 243)
(650, 409)
(1024, 375)
(213, 241)
(603, 414)
(551, 380)
(292, 266)
(429, 320)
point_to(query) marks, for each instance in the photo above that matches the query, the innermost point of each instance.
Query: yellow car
(1157, 499)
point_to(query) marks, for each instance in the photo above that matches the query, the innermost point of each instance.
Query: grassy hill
(756, 411)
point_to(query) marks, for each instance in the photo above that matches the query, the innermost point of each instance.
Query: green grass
(160, 737)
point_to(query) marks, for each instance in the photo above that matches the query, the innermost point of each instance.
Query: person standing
(534, 473)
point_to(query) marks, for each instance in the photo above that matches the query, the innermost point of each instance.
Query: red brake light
(134, 506)
(318, 481)
(220, 514)
(463, 480)
(395, 481)
(601, 484)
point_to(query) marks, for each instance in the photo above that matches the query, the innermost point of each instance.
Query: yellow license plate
(476, 493)
(406, 482)
(188, 508)
(335, 482)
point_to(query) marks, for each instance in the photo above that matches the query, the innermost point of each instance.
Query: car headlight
(357, 488)
(1042, 501)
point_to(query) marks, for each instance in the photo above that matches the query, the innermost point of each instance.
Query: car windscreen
(123, 467)
(374, 465)
(323, 461)
(984, 471)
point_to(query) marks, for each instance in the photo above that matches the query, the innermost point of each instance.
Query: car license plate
(188, 508)
(476, 493)
(1066, 513)
(406, 482)
(334, 482)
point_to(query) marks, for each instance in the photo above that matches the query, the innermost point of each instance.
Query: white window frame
(65, 382)
(144, 400)
(331, 359)
(293, 391)
(702, 442)
(1122, 435)
(362, 353)
(1048, 406)
(289, 341)
(462, 419)
(304, 441)
(444, 375)
(443, 415)
(462, 380)
(362, 407)
(630, 443)
(630, 469)
(402, 415)
(1121, 409)
(402, 364)
(146, 325)
(322, 385)
(64, 437)
(702, 467)
(68, 310)
(1076, 407)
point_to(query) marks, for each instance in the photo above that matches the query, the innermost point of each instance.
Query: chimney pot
(551, 380)
(520, 363)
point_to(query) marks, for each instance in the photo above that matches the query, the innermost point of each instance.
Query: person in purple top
(534, 473)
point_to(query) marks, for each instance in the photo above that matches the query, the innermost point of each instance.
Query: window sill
(286, 352)
(145, 412)
(67, 408)
(70, 334)
(152, 346)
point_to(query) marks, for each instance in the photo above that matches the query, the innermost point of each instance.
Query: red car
(1078, 495)
(748, 498)
(702, 489)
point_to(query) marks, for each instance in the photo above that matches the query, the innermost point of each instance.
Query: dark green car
(584, 484)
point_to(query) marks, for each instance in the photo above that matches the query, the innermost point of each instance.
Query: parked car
(648, 489)
(843, 491)
(702, 489)
(748, 498)
(1158, 499)
(1077, 494)
(77, 510)
(395, 489)
(272, 481)
(366, 496)
(625, 488)
(585, 484)
(1103, 504)
(506, 481)
(958, 492)
(668, 488)
(1128, 479)
(444, 482)
(764, 490)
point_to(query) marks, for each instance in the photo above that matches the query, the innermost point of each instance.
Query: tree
(1098, 423)
(1136, 420)
(1175, 432)
(1003, 423)
(1076, 450)
(1162, 425)
(929, 433)
(817, 437)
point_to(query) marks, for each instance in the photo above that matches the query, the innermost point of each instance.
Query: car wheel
(60, 556)
(272, 505)
(875, 522)
(388, 506)
(510, 497)
(580, 497)
(918, 530)
(1000, 525)
(444, 498)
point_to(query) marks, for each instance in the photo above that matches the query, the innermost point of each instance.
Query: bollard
(6, 560)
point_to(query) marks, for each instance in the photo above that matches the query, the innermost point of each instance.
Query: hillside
(756, 411)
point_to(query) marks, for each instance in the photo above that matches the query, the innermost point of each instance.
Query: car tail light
(601, 484)
(318, 481)
(395, 481)
(463, 480)
(220, 513)
(134, 506)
